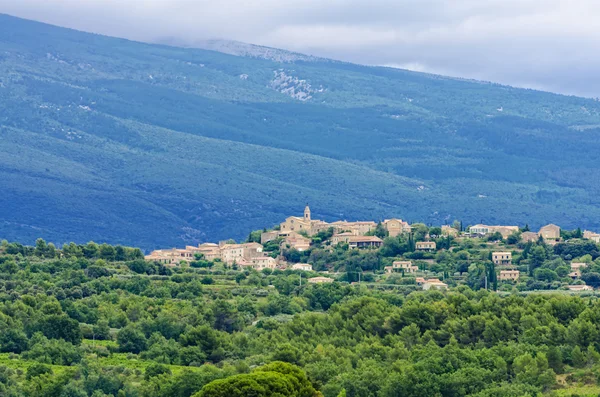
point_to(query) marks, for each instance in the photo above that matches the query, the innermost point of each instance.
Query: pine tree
(578, 358)
(555, 360)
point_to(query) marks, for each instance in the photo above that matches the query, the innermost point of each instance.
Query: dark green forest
(110, 140)
(97, 320)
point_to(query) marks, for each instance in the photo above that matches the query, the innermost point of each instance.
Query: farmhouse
(364, 242)
(425, 246)
(502, 258)
(512, 275)
(402, 266)
(302, 266)
(434, 283)
(320, 280)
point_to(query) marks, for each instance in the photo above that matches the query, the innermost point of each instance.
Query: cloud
(547, 44)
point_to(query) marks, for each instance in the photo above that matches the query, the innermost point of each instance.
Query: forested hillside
(97, 320)
(110, 140)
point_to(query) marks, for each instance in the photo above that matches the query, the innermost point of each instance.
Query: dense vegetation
(124, 142)
(97, 320)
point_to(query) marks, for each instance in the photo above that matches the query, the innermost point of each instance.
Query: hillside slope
(124, 142)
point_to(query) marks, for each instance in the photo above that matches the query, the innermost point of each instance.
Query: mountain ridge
(165, 145)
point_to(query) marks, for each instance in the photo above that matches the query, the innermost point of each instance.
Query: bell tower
(307, 214)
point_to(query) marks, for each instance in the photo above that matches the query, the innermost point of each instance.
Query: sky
(543, 44)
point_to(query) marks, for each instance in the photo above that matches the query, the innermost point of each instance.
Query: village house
(527, 237)
(580, 287)
(359, 228)
(595, 237)
(502, 258)
(320, 280)
(304, 224)
(550, 233)
(574, 275)
(341, 238)
(425, 246)
(231, 253)
(302, 266)
(512, 275)
(265, 237)
(449, 231)
(364, 242)
(402, 266)
(172, 256)
(396, 227)
(434, 283)
(576, 266)
(208, 251)
(257, 263)
(295, 241)
(484, 230)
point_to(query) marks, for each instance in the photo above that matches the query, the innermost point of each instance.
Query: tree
(131, 340)
(155, 369)
(555, 360)
(578, 358)
(37, 369)
(274, 379)
(545, 275)
(536, 258)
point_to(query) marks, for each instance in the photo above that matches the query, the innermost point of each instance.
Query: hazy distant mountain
(242, 49)
(124, 142)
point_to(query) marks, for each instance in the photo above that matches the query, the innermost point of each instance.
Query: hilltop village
(393, 251)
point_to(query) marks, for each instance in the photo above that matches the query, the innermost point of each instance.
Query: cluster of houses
(550, 233)
(247, 255)
(407, 267)
(296, 232)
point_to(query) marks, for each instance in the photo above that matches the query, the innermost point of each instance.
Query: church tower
(307, 214)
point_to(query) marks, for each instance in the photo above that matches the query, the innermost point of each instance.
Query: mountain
(242, 49)
(116, 141)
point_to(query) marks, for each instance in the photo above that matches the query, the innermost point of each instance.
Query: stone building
(502, 258)
(304, 224)
(396, 227)
(425, 246)
(550, 233)
(512, 275)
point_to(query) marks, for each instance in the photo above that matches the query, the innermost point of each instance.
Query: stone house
(302, 266)
(359, 228)
(425, 246)
(403, 266)
(295, 241)
(502, 258)
(258, 263)
(484, 230)
(170, 256)
(231, 253)
(364, 242)
(550, 232)
(529, 237)
(580, 287)
(265, 237)
(512, 275)
(434, 283)
(320, 280)
(595, 237)
(341, 238)
(449, 231)
(576, 266)
(396, 227)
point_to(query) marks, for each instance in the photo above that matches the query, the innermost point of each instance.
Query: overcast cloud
(546, 44)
